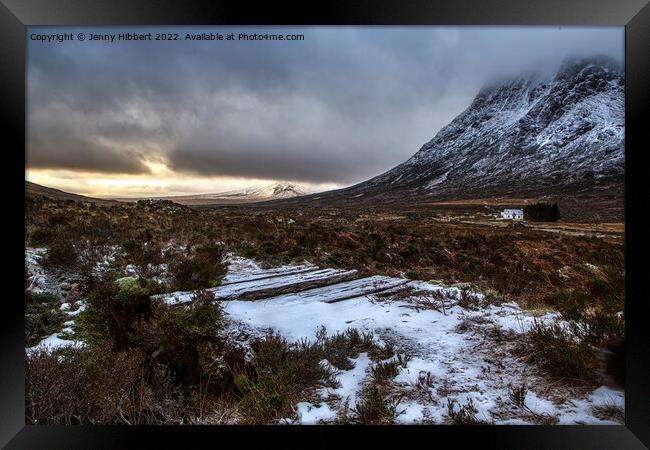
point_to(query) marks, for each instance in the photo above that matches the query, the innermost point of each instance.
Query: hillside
(33, 189)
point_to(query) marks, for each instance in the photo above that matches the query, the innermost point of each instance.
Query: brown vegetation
(146, 363)
(520, 263)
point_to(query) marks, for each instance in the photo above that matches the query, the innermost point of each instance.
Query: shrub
(61, 253)
(116, 311)
(384, 371)
(186, 338)
(412, 275)
(596, 324)
(41, 235)
(281, 374)
(246, 249)
(492, 297)
(131, 246)
(602, 325)
(43, 317)
(138, 342)
(146, 257)
(201, 269)
(96, 386)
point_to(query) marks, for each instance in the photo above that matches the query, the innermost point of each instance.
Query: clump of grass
(465, 415)
(339, 348)
(562, 354)
(570, 352)
(281, 374)
(596, 323)
(609, 412)
(602, 325)
(468, 300)
(571, 304)
(425, 380)
(380, 353)
(385, 371)
(146, 257)
(517, 395)
(492, 297)
(375, 405)
(470, 322)
(374, 408)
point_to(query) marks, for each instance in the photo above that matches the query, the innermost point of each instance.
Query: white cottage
(513, 214)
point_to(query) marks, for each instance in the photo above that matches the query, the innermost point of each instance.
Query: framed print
(362, 219)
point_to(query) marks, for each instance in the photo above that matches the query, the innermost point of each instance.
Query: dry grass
(519, 263)
(508, 263)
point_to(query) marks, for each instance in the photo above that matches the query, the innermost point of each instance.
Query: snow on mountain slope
(565, 129)
(273, 191)
(534, 134)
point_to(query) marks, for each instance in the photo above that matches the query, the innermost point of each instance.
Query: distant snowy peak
(272, 191)
(286, 190)
(255, 193)
(564, 128)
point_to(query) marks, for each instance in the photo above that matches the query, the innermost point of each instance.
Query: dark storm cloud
(340, 106)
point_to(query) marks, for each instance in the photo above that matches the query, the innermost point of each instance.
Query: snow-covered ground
(451, 353)
(39, 281)
(465, 354)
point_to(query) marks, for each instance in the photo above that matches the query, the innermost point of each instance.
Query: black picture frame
(15, 15)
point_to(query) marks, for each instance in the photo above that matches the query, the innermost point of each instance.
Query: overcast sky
(347, 103)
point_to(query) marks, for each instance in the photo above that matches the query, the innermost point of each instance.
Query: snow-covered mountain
(270, 192)
(566, 129)
(533, 133)
(275, 191)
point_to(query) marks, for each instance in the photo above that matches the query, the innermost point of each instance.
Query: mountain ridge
(534, 134)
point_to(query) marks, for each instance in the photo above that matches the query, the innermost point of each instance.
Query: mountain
(273, 191)
(530, 135)
(251, 194)
(33, 189)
